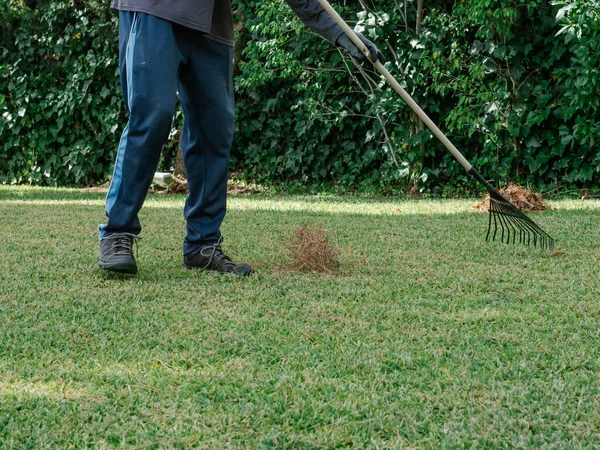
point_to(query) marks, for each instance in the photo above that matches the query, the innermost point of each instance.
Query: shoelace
(217, 254)
(122, 243)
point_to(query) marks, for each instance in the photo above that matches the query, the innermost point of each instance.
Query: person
(185, 47)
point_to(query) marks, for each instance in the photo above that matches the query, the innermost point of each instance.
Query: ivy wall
(515, 84)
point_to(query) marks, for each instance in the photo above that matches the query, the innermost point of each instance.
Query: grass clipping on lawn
(310, 250)
(524, 199)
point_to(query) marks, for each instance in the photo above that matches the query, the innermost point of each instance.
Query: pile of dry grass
(177, 187)
(239, 188)
(311, 250)
(522, 198)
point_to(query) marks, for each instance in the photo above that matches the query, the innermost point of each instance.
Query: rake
(506, 221)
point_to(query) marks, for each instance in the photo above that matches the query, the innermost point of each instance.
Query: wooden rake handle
(388, 76)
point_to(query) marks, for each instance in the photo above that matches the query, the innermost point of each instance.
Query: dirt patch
(101, 188)
(181, 187)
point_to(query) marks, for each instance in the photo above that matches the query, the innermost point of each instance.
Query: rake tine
(520, 227)
(543, 243)
(515, 224)
(495, 225)
(502, 218)
(524, 230)
(505, 226)
(510, 221)
(534, 231)
(525, 236)
(529, 232)
(489, 231)
(487, 236)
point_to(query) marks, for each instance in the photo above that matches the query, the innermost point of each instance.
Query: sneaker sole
(200, 269)
(118, 269)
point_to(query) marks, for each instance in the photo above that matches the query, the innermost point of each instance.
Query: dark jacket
(312, 14)
(200, 15)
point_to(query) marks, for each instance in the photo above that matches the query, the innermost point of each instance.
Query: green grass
(427, 337)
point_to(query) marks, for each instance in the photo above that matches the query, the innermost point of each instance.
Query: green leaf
(533, 142)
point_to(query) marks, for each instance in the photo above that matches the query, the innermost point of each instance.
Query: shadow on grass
(353, 206)
(44, 237)
(47, 193)
(36, 227)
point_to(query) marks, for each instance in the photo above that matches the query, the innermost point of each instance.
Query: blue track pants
(157, 60)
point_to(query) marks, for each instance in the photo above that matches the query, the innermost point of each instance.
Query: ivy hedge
(514, 83)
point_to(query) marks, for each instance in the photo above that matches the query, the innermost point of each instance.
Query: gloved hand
(345, 42)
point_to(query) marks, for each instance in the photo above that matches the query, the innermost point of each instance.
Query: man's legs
(149, 63)
(206, 93)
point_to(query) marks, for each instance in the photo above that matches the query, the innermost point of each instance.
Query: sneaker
(116, 253)
(211, 257)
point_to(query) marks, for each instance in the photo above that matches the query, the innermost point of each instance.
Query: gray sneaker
(211, 257)
(116, 253)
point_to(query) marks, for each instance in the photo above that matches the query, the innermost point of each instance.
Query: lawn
(425, 337)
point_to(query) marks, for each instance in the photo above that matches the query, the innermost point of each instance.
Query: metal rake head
(511, 224)
(511, 221)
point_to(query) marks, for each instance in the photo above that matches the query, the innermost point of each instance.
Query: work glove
(345, 42)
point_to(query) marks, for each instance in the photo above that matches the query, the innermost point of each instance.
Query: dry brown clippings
(237, 188)
(311, 250)
(181, 187)
(177, 187)
(524, 199)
